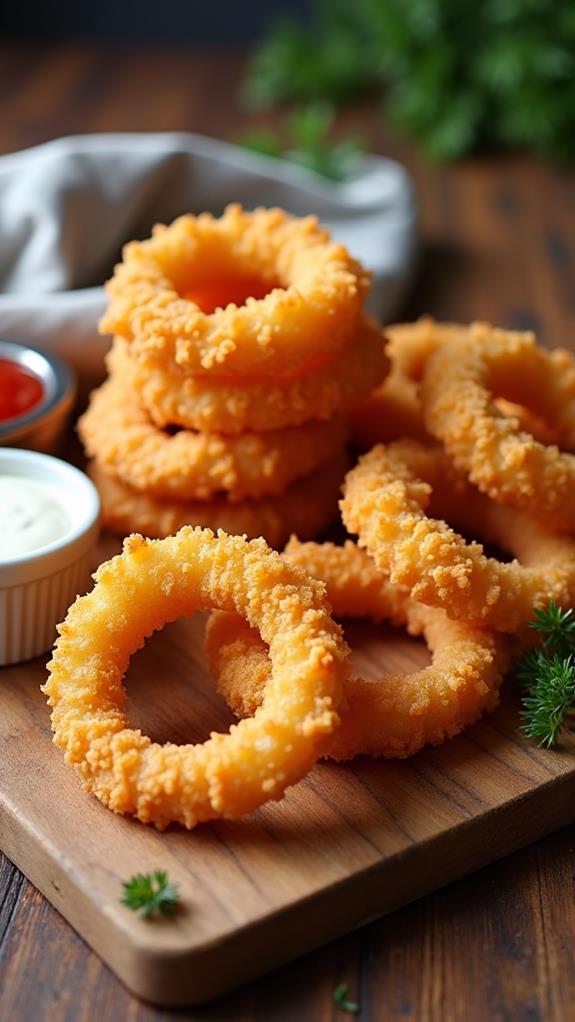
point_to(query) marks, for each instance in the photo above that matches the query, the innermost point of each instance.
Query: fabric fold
(68, 206)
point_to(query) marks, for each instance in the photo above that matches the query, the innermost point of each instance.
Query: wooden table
(498, 244)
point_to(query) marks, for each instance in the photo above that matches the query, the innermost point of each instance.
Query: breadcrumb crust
(308, 505)
(137, 592)
(386, 497)
(219, 404)
(460, 384)
(118, 433)
(314, 311)
(396, 715)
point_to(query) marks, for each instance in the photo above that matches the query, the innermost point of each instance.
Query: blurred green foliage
(456, 74)
(309, 142)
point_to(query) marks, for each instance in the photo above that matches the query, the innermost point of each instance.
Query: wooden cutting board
(346, 845)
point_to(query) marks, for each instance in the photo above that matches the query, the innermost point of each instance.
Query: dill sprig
(547, 674)
(557, 626)
(549, 701)
(150, 893)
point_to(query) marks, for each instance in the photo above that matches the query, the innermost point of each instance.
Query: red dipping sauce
(20, 390)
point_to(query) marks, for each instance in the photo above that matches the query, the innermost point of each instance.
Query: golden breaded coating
(395, 410)
(316, 291)
(218, 404)
(460, 384)
(385, 500)
(136, 593)
(357, 589)
(391, 411)
(396, 715)
(309, 505)
(187, 465)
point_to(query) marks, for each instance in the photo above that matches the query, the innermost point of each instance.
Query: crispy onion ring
(118, 433)
(315, 292)
(385, 500)
(397, 714)
(219, 405)
(308, 506)
(458, 391)
(391, 411)
(411, 344)
(135, 594)
(394, 409)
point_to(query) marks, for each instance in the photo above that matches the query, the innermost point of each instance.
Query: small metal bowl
(43, 427)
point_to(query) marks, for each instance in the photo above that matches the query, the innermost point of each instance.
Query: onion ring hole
(194, 708)
(218, 292)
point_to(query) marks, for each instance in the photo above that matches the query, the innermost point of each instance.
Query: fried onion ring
(394, 409)
(391, 411)
(308, 506)
(136, 593)
(385, 500)
(219, 405)
(314, 292)
(396, 715)
(118, 433)
(458, 391)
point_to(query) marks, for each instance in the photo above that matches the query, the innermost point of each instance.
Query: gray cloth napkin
(67, 207)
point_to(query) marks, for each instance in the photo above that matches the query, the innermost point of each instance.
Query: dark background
(228, 23)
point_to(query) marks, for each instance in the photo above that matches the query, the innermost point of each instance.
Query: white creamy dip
(31, 516)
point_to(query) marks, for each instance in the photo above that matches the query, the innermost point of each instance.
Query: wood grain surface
(497, 238)
(347, 844)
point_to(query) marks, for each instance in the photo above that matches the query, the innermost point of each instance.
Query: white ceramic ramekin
(36, 589)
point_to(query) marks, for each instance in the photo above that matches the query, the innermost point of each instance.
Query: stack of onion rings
(190, 465)
(220, 404)
(398, 714)
(307, 506)
(136, 592)
(240, 347)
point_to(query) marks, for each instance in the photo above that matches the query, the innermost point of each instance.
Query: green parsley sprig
(342, 1000)
(150, 894)
(547, 674)
(454, 75)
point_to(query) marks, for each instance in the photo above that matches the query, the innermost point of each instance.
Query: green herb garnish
(547, 674)
(341, 999)
(454, 75)
(150, 894)
(309, 143)
(324, 61)
(558, 627)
